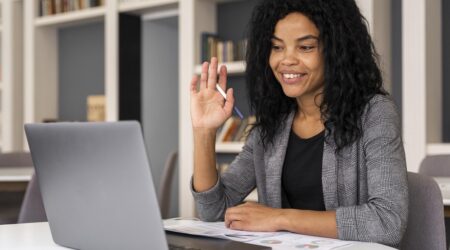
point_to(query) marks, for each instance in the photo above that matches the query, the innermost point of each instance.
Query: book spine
(220, 52)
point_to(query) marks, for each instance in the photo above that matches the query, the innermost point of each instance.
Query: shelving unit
(438, 148)
(121, 61)
(422, 81)
(196, 16)
(144, 6)
(229, 147)
(233, 68)
(41, 41)
(72, 18)
(41, 36)
(11, 119)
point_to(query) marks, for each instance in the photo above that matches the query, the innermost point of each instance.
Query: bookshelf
(72, 18)
(11, 121)
(146, 6)
(197, 17)
(194, 17)
(123, 78)
(229, 147)
(233, 68)
(423, 82)
(42, 41)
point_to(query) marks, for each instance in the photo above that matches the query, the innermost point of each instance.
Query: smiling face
(296, 57)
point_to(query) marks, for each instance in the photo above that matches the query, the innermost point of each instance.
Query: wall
(81, 68)
(160, 96)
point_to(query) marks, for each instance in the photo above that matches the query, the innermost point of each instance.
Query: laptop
(97, 188)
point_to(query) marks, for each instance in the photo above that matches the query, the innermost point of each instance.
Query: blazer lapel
(274, 159)
(329, 173)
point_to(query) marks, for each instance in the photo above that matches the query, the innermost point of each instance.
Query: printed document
(276, 240)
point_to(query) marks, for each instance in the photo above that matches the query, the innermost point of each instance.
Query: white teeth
(290, 76)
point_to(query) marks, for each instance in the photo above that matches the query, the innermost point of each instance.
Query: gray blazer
(366, 183)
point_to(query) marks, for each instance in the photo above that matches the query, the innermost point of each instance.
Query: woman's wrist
(205, 133)
(282, 220)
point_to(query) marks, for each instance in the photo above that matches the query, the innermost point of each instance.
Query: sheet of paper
(276, 240)
(213, 229)
(297, 241)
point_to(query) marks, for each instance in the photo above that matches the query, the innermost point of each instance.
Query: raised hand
(209, 110)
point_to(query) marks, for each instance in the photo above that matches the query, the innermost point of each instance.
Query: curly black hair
(351, 72)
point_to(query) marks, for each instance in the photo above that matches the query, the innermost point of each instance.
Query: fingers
(204, 76)
(194, 84)
(232, 215)
(237, 225)
(229, 103)
(212, 78)
(223, 77)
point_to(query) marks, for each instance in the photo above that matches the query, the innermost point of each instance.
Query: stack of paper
(276, 240)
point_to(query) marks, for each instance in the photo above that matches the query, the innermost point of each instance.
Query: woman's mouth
(291, 78)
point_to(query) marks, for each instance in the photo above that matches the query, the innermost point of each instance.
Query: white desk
(27, 236)
(444, 185)
(37, 236)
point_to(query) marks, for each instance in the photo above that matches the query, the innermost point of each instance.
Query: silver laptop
(96, 185)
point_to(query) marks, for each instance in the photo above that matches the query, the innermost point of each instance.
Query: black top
(301, 180)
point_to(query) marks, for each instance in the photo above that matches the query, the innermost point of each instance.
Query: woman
(325, 154)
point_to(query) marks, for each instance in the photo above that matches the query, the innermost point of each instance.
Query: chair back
(435, 165)
(165, 187)
(32, 209)
(425, 229)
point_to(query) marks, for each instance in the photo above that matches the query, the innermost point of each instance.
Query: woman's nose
(289, 58)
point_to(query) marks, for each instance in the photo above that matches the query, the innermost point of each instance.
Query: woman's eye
(276, 47)
(306, 48)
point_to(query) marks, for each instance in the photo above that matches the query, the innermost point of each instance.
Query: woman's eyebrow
(300, 39)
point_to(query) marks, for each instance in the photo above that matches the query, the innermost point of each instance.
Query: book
(206, 39)
(229, 131)
(240, 131)
(229, 51)
(220, 52)
(225, 50)
(251, 120)
(96, 108)
(224, 129)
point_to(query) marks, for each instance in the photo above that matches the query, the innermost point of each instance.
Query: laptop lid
(96, 185)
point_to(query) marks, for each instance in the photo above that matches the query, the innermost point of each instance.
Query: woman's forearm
(205, 172)
(318, 223)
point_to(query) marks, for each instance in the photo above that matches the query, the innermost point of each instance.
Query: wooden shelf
(72, 18)
(438, 148)
(143, 6)
(13, 174)
(233, 68)
(229, 147)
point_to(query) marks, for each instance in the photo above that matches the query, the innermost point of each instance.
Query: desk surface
(14, 174)
(444, 185)
(38, 236)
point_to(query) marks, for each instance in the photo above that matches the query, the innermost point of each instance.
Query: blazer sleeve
(232, 186)
(383, 218)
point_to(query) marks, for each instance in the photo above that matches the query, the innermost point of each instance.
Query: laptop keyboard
(176, 247)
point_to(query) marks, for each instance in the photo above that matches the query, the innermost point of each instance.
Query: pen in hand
(225, 97)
